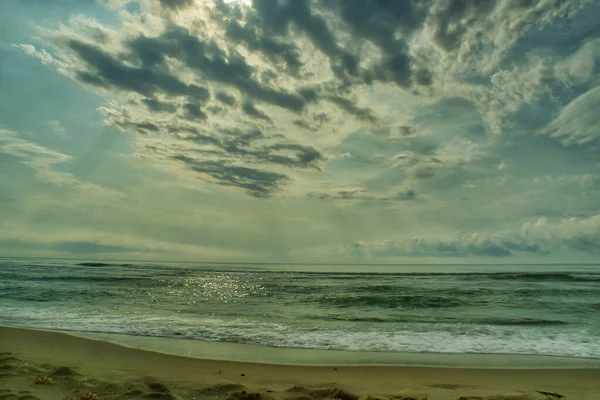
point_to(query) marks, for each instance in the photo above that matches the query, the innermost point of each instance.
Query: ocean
(488, 309)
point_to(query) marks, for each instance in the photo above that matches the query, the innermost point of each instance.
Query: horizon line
(284, 263)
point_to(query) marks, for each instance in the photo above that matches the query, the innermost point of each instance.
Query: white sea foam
(436, 339)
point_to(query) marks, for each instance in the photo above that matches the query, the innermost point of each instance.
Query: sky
(311, 131)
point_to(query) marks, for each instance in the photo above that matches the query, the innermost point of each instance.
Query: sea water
(504, 309)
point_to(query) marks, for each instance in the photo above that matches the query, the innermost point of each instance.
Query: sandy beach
(71, 366)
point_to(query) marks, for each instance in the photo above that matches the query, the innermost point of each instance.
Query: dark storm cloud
(251, 110)
(180, 130)
(303, 124)
(380, 21)
(364, 195)
(498, 27)
(278, 52)
(175, 4)
(390, 24)
(272, 28)
(453, 20)
(159, 106)
(309, 94)
(363, 114)
(274, 18)
(395, 68)
(212, 63)
(106, 71)
(243, 147)
(407, 195)
(267, 29)
(342, 194)
(195, 136)
(139, 127)
(423, 77)
(239, 137)
(146, 126)
(304, 156)
(318, 31)
(226, 99)
(193, 111)
(256, 182)
(235, 156)
(151, 77)
(425, 171)
(386, 24)
(407, 130)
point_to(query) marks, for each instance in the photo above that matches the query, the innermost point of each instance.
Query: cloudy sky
(364, 131)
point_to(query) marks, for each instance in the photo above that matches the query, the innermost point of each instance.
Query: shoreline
(112, 371)
(297, 356)
(242, 352)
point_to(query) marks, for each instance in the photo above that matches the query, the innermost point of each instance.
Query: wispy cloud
(44, 162)
(578, 122)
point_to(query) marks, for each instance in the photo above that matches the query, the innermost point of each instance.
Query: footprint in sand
(449, 386)
(160, 396)
(8, 364)
(64, 371)
(220, 389)
(7, 394)
(27, 395)
(538, 395)
(8, 359)
(321, 393)
(157, 387)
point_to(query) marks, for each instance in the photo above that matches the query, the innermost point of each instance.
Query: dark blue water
(549, 310)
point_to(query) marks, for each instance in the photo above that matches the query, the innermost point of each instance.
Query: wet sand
(76, 367)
